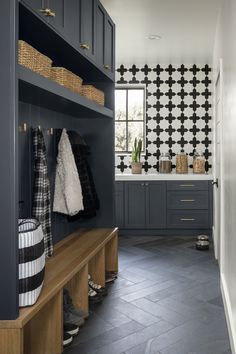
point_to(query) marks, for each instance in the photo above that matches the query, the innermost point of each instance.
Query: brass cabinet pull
(48, 12)
(106, 66)
(185, 219)
(187, 200)
(84, 46)
(187, 185)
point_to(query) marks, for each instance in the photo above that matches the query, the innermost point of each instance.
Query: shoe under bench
(39, 328)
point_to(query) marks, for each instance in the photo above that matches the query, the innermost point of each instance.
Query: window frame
(126, 121)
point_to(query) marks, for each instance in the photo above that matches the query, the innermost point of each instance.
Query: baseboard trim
(164, 232)
(229, 314)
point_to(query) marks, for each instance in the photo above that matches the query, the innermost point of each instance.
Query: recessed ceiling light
(153, 37)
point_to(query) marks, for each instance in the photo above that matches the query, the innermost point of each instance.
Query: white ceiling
(187, 28)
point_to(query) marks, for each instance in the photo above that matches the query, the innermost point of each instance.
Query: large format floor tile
(166, 300)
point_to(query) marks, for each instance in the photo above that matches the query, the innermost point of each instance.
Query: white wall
(225, 48)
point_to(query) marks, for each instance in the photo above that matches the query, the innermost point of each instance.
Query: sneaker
(71, 329)
(96, 287)
(73, 318)
(67, 339)
(94, 297)
(69, 307)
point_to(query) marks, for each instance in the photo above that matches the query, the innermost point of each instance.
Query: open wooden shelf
(38, 90)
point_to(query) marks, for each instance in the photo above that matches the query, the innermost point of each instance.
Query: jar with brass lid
(182, 162)
(165, 163)
(199, 162)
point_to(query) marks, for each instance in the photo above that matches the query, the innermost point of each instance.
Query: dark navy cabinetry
(85, 24)
(105, 38)
(164, 205)
(141, 205)
(56, 28)
(87, 16)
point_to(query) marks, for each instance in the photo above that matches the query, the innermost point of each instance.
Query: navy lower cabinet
(135, 208)
(119, 207)
(165, 207)
(144, 205)
(155, 205)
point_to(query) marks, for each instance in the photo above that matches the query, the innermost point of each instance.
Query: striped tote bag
(31, 261)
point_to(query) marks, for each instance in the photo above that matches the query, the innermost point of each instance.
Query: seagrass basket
(92, 93)
(33, 59)
(66, 78)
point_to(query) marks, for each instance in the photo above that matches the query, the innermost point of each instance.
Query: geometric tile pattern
(166, 300)
(178, 111)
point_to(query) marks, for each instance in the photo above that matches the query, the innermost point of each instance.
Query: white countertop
(162, 177)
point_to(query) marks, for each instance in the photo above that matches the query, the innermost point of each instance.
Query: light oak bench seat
(38, 329)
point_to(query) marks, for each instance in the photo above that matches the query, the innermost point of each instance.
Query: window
(129, 117)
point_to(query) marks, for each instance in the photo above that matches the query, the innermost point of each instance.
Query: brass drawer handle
(185, 219)
(187, 185)
(48, 12)
(106, 66)
(84, 46)
(187, 200)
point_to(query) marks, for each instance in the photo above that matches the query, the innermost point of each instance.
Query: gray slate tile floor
(166, 300)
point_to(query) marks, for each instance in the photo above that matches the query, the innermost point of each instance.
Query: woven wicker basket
(33, 59)
(92, 93)
(66, 78)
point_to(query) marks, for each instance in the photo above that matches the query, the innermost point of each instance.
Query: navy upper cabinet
(57, 18)
(86, 23)
(38, 6)
(109, 45)
(83, 23)
(105, 40)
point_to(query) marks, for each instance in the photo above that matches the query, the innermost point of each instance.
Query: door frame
(218, 229)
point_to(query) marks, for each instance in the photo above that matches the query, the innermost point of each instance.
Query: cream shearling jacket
(68, 197)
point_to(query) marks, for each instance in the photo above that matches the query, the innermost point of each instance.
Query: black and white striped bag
(31, 261)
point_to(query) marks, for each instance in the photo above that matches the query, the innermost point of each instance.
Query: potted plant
(136, 165)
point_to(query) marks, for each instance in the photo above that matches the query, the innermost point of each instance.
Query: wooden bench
(39, 328)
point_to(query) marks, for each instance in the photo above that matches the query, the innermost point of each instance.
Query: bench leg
(11, 341)
(78, 288)
(43, 333)
(97, 267)
(112, 254)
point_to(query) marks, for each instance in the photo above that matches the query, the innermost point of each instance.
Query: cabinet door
(135, 205)
(58, 8)
(119, 198)
(36, 5)
(105, 40)
(109, 45)
(100, 34)
(156, 205)
(87, 27)
(72, 20)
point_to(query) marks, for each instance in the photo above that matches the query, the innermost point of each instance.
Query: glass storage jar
(199, 162)
(182, 162)
(165, 163)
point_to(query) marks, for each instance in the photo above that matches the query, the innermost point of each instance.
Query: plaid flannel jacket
(41, 199)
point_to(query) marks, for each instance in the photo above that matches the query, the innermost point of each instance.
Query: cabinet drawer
(187, 219)
(187, 185)
(187, 199)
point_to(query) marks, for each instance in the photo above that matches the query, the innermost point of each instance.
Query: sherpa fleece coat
(68, 197)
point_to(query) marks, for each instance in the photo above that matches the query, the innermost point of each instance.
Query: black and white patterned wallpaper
(178, 112)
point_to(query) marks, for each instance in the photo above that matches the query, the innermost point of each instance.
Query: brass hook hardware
(84, 46)
(50, 131)
(48, 12)
(23, 128)
(106, 66)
